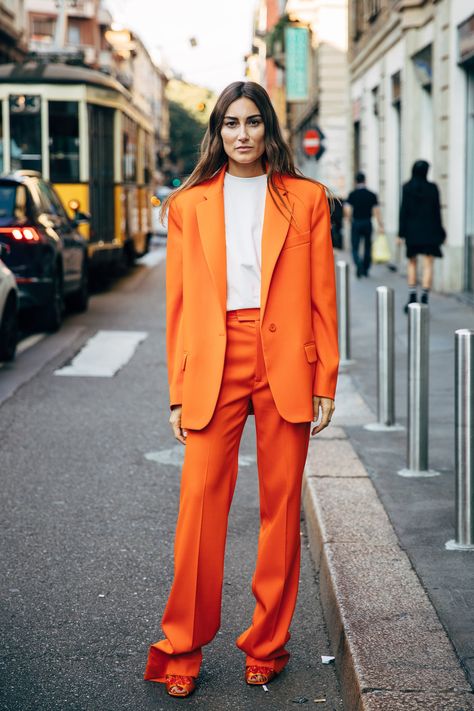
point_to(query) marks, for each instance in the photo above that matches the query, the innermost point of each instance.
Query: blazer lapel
(211, 223)
(275, 228)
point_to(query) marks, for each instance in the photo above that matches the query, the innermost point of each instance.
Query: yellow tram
(81, 130)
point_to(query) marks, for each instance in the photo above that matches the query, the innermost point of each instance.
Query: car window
(58, 206)
(13, 202)
(50, 201)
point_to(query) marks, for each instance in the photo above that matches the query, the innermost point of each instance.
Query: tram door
(101, 166)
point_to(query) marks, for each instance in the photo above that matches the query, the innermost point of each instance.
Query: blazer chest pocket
(311, 353)
(183, 363)
(294, 240)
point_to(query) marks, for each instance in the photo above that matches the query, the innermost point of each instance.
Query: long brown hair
(277, 155)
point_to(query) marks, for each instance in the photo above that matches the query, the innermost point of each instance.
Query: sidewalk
(399, 607)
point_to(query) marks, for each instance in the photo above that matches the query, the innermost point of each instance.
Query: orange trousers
(192, 615)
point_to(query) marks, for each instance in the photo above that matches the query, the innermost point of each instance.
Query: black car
(44, 250)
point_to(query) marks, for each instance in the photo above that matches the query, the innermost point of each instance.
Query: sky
(222, 28)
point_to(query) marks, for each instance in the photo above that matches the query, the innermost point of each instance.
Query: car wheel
(9, 331)
(52, 313)
(80, 299)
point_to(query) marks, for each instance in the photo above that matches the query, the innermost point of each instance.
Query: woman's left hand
(327, 407)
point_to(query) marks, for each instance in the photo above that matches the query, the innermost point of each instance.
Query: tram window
(129, 147)
(25, 132)
(64, 141)
(148, 159)
(1, 141)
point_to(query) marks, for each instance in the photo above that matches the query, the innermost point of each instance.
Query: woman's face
(243, 132)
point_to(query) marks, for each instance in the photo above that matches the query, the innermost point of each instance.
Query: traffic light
(201, 106)
(176, 182)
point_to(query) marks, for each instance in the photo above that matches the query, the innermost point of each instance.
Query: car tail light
(21, 234)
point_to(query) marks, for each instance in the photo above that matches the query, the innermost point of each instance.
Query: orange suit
(274, 358)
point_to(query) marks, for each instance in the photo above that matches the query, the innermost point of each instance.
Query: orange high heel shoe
(179, 685)
(259, 675)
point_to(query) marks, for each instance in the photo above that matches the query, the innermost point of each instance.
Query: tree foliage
(186, 133)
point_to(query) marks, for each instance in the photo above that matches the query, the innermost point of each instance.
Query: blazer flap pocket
(294, 239)
(311, 352)
(183, 364)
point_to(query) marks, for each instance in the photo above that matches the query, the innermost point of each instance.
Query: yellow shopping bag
(380, 249)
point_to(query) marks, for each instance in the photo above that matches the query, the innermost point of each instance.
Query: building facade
(323, 105)
(412, 97)
(267, 67)
(83, 32)
(327, 107)
(12, 34)
(71, 28)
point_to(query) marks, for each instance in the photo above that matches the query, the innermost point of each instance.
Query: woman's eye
(254, 122)
(230, 124)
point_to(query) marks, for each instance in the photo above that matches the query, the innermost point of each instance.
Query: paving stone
(389, 701)
(331, 432)
(350, 511)
(334, 458)
(384, 631)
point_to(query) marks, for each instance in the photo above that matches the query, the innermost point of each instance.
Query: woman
(421, 228)
(251, 327)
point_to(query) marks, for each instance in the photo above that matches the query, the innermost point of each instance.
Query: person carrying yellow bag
(359, 207)
(380, 249)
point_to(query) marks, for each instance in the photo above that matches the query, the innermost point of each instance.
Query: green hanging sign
(297, 63)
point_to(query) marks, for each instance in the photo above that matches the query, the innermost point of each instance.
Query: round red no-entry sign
(312, 142)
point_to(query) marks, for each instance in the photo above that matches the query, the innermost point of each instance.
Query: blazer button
(272, 327)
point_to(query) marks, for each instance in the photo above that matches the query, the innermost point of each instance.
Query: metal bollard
(464, 440)
(385, 317)
(343, 312)
(418, 370)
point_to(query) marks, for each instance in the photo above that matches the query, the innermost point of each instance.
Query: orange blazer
(298, 315)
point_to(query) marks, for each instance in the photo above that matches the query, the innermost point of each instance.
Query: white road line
(29, 341)
(104, 354)
(26, 343)
(153, 258)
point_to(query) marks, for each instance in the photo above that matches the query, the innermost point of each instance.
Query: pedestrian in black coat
(421, 228)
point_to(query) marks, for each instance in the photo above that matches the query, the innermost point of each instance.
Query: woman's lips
(244, 148)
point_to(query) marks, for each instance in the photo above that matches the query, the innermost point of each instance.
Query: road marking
(153, 258)
(104, 354)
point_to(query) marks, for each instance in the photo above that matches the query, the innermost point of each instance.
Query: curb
(390, 649)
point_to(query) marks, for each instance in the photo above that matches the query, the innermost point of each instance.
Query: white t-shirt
(244, 207)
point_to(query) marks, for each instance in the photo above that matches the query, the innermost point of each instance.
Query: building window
(423, 68)
(64, 141)
(74, 33)
(43, 28)
(357, 19)
(396, 89)
(372, 9)
(375, 101)
(25, 132)
(356, 147)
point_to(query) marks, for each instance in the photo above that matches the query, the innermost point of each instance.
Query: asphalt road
(90, 485)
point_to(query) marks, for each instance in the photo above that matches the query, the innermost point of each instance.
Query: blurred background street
(104, 104)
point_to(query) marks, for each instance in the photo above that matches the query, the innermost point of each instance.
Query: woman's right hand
(175, 422)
